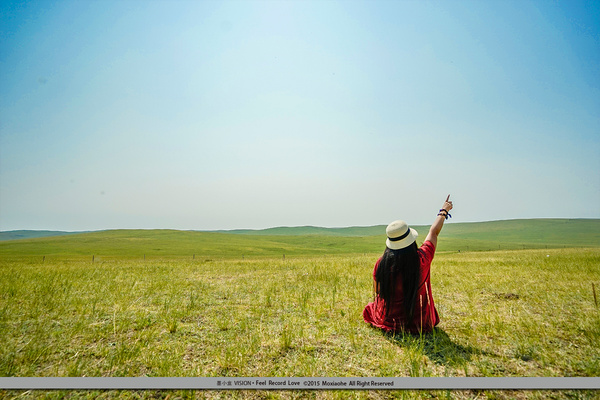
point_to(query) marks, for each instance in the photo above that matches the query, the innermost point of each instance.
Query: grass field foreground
(503, 313)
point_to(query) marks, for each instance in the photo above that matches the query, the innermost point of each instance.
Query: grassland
(304, 241)
(504, 313)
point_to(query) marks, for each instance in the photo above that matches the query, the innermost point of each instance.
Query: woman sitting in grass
(401, 279)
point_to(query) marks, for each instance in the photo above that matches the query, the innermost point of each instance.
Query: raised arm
(437, 225)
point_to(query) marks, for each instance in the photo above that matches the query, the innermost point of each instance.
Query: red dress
(425, 316)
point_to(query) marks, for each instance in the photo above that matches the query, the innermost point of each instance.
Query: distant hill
(25, 234)
(476, 236)
(312, 230)
(580, 232)
(523, 233)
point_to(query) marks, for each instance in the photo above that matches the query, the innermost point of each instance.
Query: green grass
(305, 241)
(503, 313)
(512, 313)
(171, 243)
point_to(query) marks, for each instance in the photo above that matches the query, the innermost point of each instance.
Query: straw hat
(399, 235)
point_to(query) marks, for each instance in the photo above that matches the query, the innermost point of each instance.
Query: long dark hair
(403, 263)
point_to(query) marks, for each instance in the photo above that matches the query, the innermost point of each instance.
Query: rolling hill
(29, 234)
(493, 235)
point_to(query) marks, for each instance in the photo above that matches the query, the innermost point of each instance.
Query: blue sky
(253, 114)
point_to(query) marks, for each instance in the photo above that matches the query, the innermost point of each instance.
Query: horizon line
(280, 226)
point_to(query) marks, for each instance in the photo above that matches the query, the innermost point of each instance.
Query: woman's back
(402, 279)
(424, 316)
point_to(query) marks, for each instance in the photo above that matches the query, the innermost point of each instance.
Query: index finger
(448, 198)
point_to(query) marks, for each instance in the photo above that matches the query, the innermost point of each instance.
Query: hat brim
(400, 244)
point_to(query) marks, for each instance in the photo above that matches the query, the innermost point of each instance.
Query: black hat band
(399, 237)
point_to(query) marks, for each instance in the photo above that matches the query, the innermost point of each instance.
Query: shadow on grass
(437, 346)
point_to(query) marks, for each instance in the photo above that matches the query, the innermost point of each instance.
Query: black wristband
(447, 215)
